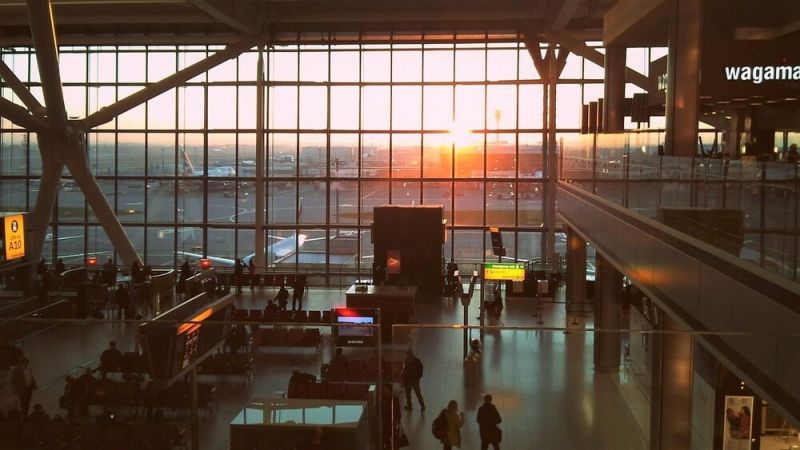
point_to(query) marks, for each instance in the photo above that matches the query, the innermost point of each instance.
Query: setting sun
(461, 136)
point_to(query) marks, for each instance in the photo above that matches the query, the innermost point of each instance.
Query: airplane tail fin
(188, 167)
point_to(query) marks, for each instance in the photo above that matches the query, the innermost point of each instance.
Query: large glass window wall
(348, 128)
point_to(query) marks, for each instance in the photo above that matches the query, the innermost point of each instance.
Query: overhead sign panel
(14, 236)
(504, 271)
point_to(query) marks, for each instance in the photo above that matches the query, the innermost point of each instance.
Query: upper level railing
(626, 168)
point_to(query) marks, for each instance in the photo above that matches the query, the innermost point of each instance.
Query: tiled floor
(543, 381)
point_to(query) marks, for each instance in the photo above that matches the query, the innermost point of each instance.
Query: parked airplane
(190, 171)
(274, 253)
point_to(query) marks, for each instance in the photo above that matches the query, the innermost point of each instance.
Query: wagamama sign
(759, 74)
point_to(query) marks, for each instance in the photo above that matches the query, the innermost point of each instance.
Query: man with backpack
(412, 373)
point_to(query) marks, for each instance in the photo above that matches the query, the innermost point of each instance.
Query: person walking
(238, 273)
(251, 272)
(455, 420)
(298, 289)
(412, 373)
(488, 418)
(23, 384)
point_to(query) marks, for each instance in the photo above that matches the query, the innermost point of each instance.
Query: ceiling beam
(108, 113)
(238, 15)
(44, 41)
(19, 116)
(110, 19)
(565, 14)
(745, 33)
(20, 89)
(629, 21)
(581, 49)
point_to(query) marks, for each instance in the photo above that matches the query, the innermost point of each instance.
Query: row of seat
(109, 393)
(258, 315)
(228, 364)
(362, 370)
(288, 337)
(58, 434)
(330, 390)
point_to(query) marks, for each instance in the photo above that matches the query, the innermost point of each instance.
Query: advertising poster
(738, 422)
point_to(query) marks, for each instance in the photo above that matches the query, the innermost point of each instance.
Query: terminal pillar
(671, 390)
(607, 316)
(576, 272)
(614, 90)
(683, 73)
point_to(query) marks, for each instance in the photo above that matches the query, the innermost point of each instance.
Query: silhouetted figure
(251, 272)
(38, 414)
(271, 311)
(136, 272)
(282, 297)
(237, 338)
(488, 419)
(123, 300)
(109, 273)
(298, 383)
(41, 267)
(792, 156)
(412, 373)
(238, 274)
(110, 360)
(60, 268)
(23, 384)
(298, 289)
(9, 354)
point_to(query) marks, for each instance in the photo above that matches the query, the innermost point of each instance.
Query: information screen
(355, 335)
(504, 271)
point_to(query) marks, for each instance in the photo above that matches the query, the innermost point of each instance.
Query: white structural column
(46, 199)
(62, 145)
(260, 157)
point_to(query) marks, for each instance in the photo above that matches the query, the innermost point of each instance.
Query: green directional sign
(504, 271)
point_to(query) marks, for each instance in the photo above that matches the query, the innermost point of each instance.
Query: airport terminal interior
(243, 225)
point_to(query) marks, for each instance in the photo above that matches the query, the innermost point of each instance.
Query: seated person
(38, 414)
(110, 360)
(298, 383)
(237, 338)
(271, 311)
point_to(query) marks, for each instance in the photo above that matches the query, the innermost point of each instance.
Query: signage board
(504, 271)
(14, 237)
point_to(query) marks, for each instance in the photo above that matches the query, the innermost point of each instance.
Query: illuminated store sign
(759, 74)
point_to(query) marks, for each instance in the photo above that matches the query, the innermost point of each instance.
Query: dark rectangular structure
(408, 244)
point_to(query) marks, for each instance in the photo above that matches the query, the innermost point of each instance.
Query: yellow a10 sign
(504, 271)
(14, 229)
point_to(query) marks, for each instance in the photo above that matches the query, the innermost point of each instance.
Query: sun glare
(461, 136)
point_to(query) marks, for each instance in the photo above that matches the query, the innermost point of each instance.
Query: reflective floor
(543, 382)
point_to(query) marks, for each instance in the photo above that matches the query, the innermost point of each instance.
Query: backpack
(439, 426)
